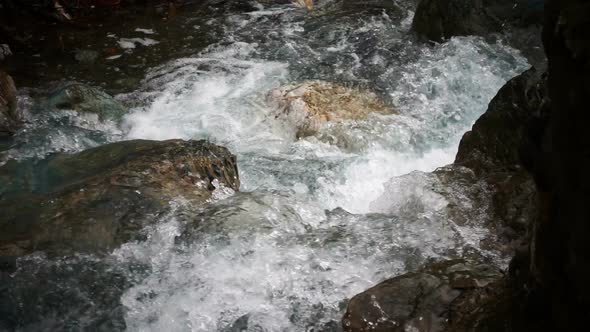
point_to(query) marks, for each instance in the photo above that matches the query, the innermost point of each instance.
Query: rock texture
(547, 287)
(497, 137)
(490, 162)
(557, 294)
(519, 20)
(419, 301)
(548, 282)
(308, 105)
(85, 99)
(9, 117)
(97, 199)
(491, 152)
(438, 20)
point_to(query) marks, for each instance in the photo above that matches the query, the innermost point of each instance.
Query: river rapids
(317, 220)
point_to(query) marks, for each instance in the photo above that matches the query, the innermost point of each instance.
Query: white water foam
(318, 219)
(277, 259)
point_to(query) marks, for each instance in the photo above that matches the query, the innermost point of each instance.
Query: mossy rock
(95, 200)
(85, 99)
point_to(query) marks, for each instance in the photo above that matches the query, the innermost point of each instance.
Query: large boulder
(438, 20)
(442, 19)
(97, 199)
(309, 105)
(419, 301)
(495, 149)
(9, 117)
(83, 98)
(487, 184)
(555, 291)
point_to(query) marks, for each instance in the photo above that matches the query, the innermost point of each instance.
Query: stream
(317, 220)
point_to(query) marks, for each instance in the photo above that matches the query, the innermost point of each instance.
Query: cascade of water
(315, 222)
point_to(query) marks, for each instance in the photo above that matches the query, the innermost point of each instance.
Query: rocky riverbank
(111, 210)
(530, 124)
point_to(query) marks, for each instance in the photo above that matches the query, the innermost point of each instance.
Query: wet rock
(86, 57)
(78, 293)
(498, 136)
(555, 291)
(438, 20)
(241, 324)
(370, 3)
(309, 105)
(495, 147)
(97, 199)
(520, 21)
(10, 119)
(418, 301)
(5, 51)
(85, 99)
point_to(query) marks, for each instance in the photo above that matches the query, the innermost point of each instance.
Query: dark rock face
(63, 295)
(9, 117)
(490, 161)
(85, 99)
(492, 150)
(495, 141)
(438, 20)
(519, 20)
(496, 148)
(547, 287)
(419, 301)
(95, 200)
(558, 291)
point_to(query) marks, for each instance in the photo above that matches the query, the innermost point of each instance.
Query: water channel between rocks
(317, 220)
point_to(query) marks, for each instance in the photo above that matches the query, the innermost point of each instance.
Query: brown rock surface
(97, 199)
(311, 104)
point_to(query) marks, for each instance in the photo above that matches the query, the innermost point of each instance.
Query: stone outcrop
(420, 301)
(493, 149)
(85, 99)
(10, 119)
(309, 105)
(491, 161)
(548, 282)
(97, 199)
(497, 137)
(547, 285)
(555, 292)
(520, 22)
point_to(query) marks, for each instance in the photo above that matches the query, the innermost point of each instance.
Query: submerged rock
(97, 199)
(418, 301)
(442, 19)
(438, 20)
(85, 99)
(10, 119)
(87, 57)
(555, 289)
(309, 105)
(497, 146)
(4, 51)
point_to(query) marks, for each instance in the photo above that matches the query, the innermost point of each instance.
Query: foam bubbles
(322, 218)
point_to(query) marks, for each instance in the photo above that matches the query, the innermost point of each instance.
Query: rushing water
(317, 220)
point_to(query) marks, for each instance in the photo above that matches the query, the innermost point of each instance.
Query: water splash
(319, 219)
